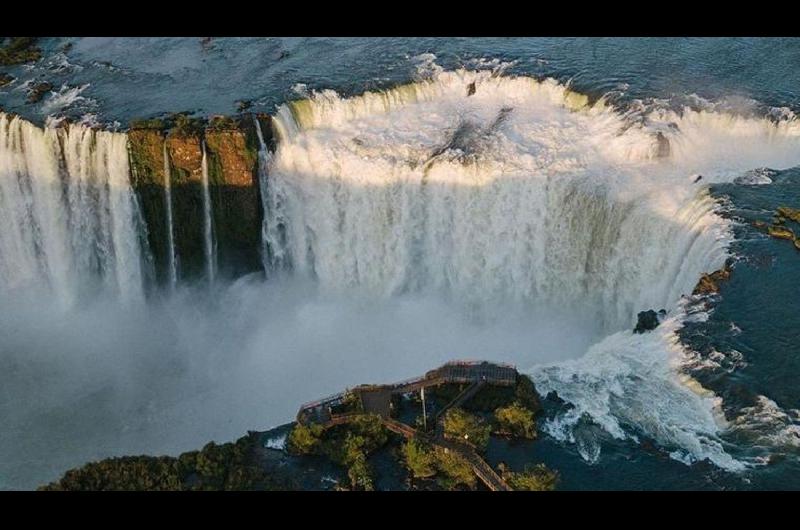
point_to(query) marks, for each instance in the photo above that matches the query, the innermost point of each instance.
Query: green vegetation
(462, 425)
(515, 420)
(304, 440)
(420, 458)
(223, 123)
(533, 478)
(427, 461)
(227, 466)
(492, 397)
(185, 125)
(348, 445)
(18, 50)
(454, 468)
(151, 123)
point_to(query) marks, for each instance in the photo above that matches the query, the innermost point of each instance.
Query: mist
(108, 379)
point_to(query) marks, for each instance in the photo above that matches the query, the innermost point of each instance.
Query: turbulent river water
(517, 200)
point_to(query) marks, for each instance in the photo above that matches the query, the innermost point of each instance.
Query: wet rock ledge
(232, 146)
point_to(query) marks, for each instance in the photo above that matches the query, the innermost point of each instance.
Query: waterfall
(263, 174)
(208, 222)
(70, 219)
(521, 192)
(171, 255)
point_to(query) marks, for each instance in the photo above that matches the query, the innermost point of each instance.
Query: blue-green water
(748, 349)
(128, 78)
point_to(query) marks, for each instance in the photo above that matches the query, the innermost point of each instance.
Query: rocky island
(428, 433)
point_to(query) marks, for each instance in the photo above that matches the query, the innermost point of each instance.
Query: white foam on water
(64, 98)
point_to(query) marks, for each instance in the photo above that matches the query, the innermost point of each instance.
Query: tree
(534, 478)
(462, 425)
(419, 458)
(455, 468)
(516, 420)
(304, 440)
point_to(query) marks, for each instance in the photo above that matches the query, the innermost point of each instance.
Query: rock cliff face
(235, 196)
(232, 158)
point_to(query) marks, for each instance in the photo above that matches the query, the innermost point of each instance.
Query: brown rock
(789, 213)
(186, 155)
(781, 232)
(709, 283)
(236, 161)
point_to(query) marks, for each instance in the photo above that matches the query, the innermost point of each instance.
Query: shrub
(455, 468)
(360, 474)
(304, 440)
(419, 458)
(216, 467)
(516, 420)
(462, 425)
(534, 478)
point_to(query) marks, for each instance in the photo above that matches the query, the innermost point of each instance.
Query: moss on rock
(18, 50)
(781, 232)
(789, 213)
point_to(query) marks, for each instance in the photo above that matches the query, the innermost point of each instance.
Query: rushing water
(69, 215)
(208, 223)
(172, 257)
(515, 200)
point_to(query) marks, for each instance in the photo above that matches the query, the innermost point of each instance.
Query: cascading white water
(264, 158)
(509, 194)
(520, 191)
(172, 258)
(69, 215)
(208, 226)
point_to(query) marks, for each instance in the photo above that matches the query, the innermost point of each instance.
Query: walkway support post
(424, 410)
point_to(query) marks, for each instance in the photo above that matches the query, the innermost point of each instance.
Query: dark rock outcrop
(647, 321)
(5, 79)
(38, 91)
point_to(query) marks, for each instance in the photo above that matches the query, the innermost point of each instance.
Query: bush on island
(465, 427)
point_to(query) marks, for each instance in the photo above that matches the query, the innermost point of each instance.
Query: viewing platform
(338, 408)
